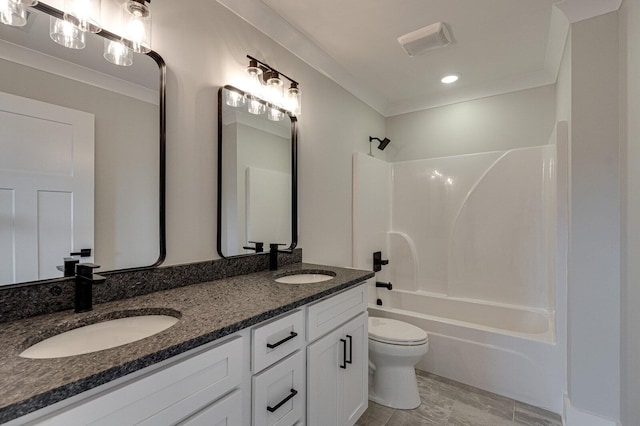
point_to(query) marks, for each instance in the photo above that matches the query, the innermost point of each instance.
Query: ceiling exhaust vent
(424, 39)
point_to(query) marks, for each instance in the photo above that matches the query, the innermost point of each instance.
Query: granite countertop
(207, 311)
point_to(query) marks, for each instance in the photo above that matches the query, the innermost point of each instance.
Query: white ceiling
(498, 46)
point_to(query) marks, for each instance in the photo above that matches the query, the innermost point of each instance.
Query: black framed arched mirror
(257, 175)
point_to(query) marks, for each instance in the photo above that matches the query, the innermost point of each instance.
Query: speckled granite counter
(208, 311)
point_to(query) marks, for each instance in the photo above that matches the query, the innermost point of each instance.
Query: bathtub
(508, 350)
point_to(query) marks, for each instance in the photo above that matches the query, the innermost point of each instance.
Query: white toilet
(394, 349)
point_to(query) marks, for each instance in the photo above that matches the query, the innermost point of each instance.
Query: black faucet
(85, 279)
(69, 267)
(259, 246)
(273, 255)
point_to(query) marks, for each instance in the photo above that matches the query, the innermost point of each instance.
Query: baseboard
(573, 416)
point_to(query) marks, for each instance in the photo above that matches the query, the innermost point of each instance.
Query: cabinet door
(324, 358)
(225, 412)
(356, 375)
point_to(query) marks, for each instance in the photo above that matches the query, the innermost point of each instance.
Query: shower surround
(471, 242)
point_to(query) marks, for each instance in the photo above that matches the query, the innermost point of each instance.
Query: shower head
(383, 143)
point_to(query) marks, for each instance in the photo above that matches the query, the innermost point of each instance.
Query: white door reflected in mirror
(46, 187)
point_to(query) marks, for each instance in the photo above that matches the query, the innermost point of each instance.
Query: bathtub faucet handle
(388, 286)
(378, 262)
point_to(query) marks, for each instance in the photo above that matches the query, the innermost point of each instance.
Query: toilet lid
(396, 332)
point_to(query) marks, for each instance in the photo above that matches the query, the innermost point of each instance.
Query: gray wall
(629, 16)
(497, 123)
(207, 49)
(594, 243)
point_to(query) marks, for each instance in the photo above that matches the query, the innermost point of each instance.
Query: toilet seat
(394, 332)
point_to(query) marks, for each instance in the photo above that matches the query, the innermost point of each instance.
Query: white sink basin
(99, 336)
(304, 278)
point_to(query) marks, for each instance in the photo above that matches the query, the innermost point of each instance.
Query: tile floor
(449, 403)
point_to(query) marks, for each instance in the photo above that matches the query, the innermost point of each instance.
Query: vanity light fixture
(137, 25)
(117, 53)
(451, 78)
(13, 13)
(68, 27)
(66, 34)
(84, 14)
(266, 83)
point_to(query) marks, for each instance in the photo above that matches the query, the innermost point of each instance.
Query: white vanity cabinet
(337, 364)
(308, 366)
(184, 391)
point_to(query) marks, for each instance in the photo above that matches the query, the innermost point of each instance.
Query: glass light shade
(294, 99)
(84, 14)
(117, 53)
(66, 34)
(234, 99)
(274, 87)
(13, 13)
(254, 86)
(137, 26)
(255, 106)
(274, 114)
(253, 69)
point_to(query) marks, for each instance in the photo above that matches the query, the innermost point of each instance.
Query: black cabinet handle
(344, 354)
(350, 360)
(286, 339)
(281, 403)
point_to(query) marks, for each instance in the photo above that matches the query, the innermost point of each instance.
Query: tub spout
(388, 286)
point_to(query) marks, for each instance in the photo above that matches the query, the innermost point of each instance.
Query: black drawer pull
(344, 354)
(286, 339)
(281, 403)
(350, 360)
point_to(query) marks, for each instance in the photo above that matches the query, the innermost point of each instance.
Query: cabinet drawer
(279, 393)
(226, 412)
(162, 397)
(328, 314)
(273, 341)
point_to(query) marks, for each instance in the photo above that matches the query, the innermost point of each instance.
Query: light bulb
(274, 88)
(13, 13)
(117, 53)
(66, 34)
(84, 14)
(137, 31)
(254, 85)
(294, 99)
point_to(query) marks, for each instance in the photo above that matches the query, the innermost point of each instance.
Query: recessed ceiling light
(450, 78)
